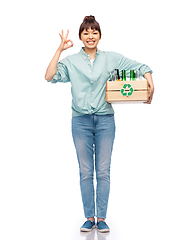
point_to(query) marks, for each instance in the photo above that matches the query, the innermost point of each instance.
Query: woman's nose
(90, 35)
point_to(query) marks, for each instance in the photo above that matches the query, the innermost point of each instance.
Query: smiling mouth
(90, 42)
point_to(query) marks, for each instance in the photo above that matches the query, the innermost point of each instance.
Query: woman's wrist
(59, 51)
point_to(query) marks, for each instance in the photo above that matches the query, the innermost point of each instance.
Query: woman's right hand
(65, 44)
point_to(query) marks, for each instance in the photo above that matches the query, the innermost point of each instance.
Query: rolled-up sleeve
(62, 74)
(128, 64)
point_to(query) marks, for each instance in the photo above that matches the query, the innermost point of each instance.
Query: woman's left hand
(150, 92)
(148, 77)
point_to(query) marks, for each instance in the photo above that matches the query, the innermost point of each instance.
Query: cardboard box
(118, 91)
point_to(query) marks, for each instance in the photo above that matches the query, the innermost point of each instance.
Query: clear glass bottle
(138, 75)
(117, 77)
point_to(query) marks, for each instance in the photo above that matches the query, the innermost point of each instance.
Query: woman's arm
(148, 77)
(52, 68)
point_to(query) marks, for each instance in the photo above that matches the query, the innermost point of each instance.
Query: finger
(60, 36)
(69, 41)
(148, 101)
(150, 95)
(67, 34)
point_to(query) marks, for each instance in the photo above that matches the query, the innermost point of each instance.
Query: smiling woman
(89, 22)
(90, 34)
(90, 39)
(93, 125)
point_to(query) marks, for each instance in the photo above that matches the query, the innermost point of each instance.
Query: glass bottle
(138, 75)
(123, 75)
(132, 75)
(117, 77)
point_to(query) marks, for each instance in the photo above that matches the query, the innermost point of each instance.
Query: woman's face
(90, 38)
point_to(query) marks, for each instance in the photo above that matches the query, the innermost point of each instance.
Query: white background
(39, 177)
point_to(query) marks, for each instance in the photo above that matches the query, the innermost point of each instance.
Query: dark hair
(89, 21)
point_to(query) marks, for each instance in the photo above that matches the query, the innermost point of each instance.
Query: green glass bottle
(123, 75)
(132, 75)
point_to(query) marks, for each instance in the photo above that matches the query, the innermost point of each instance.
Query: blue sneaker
(87, 226)
(102, 227)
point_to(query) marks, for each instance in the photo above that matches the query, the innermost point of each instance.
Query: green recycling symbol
(124, 91)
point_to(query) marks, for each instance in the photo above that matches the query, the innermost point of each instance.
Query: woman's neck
(91, 52)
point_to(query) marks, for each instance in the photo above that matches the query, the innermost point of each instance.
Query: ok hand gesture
(65, 44)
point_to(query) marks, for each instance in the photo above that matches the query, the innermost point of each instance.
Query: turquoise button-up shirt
(88, 82)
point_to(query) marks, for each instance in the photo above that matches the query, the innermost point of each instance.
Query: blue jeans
(93, 136)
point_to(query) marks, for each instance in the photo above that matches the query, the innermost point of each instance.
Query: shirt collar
(85, 55)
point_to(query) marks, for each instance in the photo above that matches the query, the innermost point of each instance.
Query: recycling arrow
(124, 91)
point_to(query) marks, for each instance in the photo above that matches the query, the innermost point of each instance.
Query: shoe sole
(103, 230)
(86, 229)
